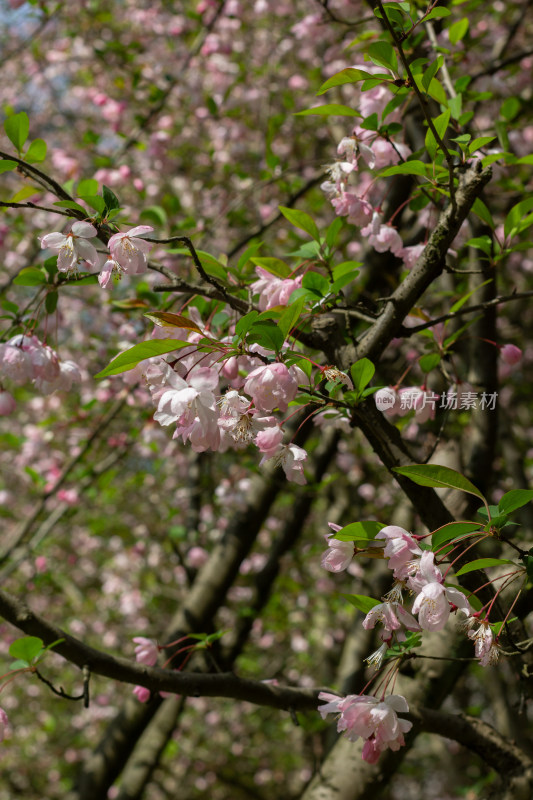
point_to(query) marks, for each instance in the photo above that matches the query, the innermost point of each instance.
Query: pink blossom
(432, 604)
(197, 557)
(274, 291)
(424, 571)
(142, 694)
(417, 399)
(192, 407)
(364, 716)
(291, 458)
(146, 651)
(358, 210)
(382, 237)
(510, 354)
(393, 617)
(7, 404)
(339, 554)
(485, 647)
(269, 440)
(271, 386)
(387, 401)
(400, 549)
(130, 252)
(410, 255)
(15, 364)
(73, 247)
(69, 373)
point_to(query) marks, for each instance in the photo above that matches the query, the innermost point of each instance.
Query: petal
(53, 240)
(105, 275)
(84, 229)
(87, 252)
(139, 230)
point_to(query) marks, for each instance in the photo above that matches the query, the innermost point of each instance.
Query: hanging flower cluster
(24, 359)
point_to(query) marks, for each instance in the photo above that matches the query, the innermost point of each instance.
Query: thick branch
(153, 678)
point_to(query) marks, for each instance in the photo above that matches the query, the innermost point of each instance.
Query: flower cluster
(24, 359)
(366, 717)
(414, 570)
(127, 252)
(217, 408)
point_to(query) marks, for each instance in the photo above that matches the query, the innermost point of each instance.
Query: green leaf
(19, 664)
(30, 276)
(407, 168)
(434, 89)
(437, 13)
(340, 283)
(155, 215)
(110, 198)
(349, 75)
(453, 530)
(267, 334)
(462, 300)
(245, 323)
(333, 232)
(50, 302)
(370, 123)
(477, 144)
(329, 110)
(290, 317)
(6, 165)
(365, 531)
(27, 648)
(36, 151)
(514, 499)
(481, 243)
(455, 104)
(140, 352)
(514, 219)
(441, 125)
(458, 30)
(95, 201)
(361, 601)
(431, 71)
(527, 560)
(17, 128)
(309, 295)
(483, 212)
(72, 205)
(273, 265)
(429, 362)
(437, 476)
(83, 279)
(510, 108)
(247, 255)
(362, 373)
(482, 563)
(166, 319)
(301, 220)
(25, 193)
(346, 268)
(316, 282)
(384, 55)
(89, 187)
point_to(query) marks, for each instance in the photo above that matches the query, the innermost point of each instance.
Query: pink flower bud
(510, 354)
(142, 694)
(146, 652)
